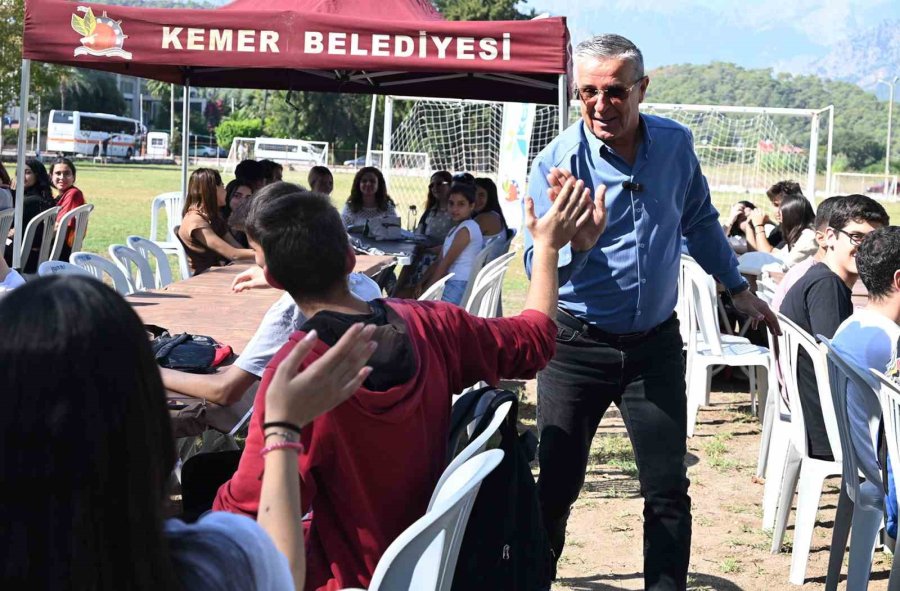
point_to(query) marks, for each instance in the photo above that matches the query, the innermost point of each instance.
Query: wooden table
(205, 305)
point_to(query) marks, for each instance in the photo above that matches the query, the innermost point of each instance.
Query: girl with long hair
(488, 214)
(62, 176)
(38, 198)
(435, 221)
(797, 219)
(203, 231)
(87, 452)
(368, 198)
(461, 246)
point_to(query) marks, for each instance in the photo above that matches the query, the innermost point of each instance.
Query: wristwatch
(744, 286)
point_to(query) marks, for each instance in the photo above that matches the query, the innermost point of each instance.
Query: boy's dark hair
(858, 208)
(782, 188)
(269, 167)
(250, 171)
(302, 237)
(464, 189)
(878, 259)
(319, 170)
(464, 177)
(824, 211)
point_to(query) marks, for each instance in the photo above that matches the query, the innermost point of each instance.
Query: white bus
(290, 151)
(76, 132)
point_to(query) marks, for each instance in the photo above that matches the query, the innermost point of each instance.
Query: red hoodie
(371, 463)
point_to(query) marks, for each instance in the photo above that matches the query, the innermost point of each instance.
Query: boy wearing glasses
(821, 300)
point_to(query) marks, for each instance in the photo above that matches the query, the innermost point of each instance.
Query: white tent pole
(563, 103)
(371, 130)
(24, 89)
(185, 134)
(386, 139)
(813, 155)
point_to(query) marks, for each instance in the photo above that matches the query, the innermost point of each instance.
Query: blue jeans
(454, 290)
(644, 377)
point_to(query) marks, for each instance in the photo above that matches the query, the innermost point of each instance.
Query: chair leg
(839, 536)
(865, 526)
(808, 494)
(785, 496)
(766, 436)
(780, 450)
(698, 378)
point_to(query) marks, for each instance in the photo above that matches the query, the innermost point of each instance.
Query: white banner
(512, 170)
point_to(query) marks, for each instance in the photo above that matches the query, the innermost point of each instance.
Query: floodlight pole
(887, 148)
(20, 163)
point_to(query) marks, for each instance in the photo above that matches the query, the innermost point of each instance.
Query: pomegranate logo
(100, 36)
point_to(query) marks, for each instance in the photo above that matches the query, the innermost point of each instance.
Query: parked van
(290, 151)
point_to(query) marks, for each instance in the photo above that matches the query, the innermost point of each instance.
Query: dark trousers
(644, 377)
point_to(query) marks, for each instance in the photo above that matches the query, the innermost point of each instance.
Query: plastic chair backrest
(477, 265)
(480, 302)
(420, 558)
(181, 252)
(151, 251)
(60, 268)
(44, 221)
(841, 372)
(80, 214)
(173, 203)
(889, 396)
(475, 447)
(96, 265)
(7, 216)
(682, 310)
(434, 293)
(142, 278)
(700, 290)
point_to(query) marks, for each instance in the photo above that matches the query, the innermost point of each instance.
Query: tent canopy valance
(399, 47)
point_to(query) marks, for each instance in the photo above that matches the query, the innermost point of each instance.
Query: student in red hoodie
(370, 464)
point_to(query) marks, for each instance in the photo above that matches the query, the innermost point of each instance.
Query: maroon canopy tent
(397, 47)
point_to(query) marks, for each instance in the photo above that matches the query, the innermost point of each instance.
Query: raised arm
(295, 398)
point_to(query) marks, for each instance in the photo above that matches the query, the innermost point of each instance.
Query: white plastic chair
(421, 558)
(43, 223)
(889, 396)
(706, 348)
(798, 464)
(151, 251)
(142, 277)
(60, 268)
(97, 266)
(484, 298)
(7, 216)
(867, 497)
(80, 214)
(173, 203)
(776, 436)
(436, 291)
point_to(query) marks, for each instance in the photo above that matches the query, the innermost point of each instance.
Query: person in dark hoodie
(369, 465)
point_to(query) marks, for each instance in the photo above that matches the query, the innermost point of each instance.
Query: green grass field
(122, 193)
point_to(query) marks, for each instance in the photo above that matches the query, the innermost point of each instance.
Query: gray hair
(611, 46)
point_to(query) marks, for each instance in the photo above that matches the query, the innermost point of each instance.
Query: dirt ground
(730, 551)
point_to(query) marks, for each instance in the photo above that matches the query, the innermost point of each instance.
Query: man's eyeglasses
(856, 238)
(615, 94)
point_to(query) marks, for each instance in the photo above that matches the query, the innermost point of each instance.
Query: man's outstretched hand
(594, 222)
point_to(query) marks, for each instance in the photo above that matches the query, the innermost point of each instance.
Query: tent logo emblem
(100, 36)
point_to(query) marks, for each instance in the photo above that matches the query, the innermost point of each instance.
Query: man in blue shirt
(618, 338)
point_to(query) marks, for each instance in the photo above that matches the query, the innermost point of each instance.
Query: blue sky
(782, 34)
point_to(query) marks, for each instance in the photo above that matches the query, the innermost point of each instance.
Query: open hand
(593, 225)
(758, 311)
(252, 278)
(570, 210)
(758, 217)
(298, 397)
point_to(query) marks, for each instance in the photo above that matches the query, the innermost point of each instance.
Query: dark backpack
(187, 352)
(505, 547)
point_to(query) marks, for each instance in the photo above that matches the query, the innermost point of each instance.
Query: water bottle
(411, 218)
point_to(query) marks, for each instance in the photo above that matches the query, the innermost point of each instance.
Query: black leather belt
(568, 320)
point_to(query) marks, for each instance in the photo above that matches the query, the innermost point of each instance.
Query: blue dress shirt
(629, 281)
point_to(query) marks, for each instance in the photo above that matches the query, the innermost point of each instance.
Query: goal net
(742, 150)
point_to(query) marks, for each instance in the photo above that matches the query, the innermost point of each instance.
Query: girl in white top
(461, 246)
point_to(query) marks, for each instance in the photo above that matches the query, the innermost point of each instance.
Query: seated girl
(368, 198)
(320, 180)
(204, 232)
(462, 245)
(237, 203)
(797, 230)
(488, 214)
(435, 221)
(104, 501)
(62, 175)
(38, 198)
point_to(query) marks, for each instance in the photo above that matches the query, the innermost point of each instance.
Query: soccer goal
(885, 188)
(287, 152)
(742, 150)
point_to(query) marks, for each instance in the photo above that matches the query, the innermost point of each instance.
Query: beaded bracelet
(295, 445)
(286, 435)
